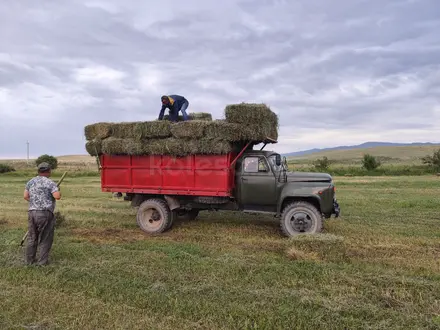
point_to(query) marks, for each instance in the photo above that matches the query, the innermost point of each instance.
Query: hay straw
(191, 129)
(193, 116)
(94, 147)
(261, 122)
(153, 129)
(124, 130)
(168, 146)
(98, 130)
(200, 116)
(116, 146)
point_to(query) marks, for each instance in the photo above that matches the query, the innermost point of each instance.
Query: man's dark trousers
(41, 226)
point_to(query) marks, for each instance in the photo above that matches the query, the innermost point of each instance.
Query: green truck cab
(299, 200)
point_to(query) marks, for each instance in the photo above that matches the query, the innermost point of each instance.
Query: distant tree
(433, 161)
(322, 163)
(4, 168)
(370, 162)
(53, 161)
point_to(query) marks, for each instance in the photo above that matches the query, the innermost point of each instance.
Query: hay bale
(191, 129)
(234, 132)
(193, 116)
(222, 130)
(117, 146)
(168, 146)
(126, 130)
(259, 119)
(94, 147)
(142, 130)
(178, 148)
(98, 130)
(153, 129)
(200, 116)
(212, 147)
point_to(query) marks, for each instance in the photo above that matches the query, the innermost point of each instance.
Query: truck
(164, 188)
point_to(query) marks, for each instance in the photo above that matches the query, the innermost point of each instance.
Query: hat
(43, 166)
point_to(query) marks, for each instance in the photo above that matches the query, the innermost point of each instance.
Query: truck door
(257, 183)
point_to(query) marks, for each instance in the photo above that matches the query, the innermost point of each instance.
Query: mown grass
(358, 170)
(377, 267)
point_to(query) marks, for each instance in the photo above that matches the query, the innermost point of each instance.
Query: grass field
(402, 161)
(392, 154)
(376, 267)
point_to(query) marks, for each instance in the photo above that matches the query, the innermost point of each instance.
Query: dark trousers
(41, 226)
(174, 116)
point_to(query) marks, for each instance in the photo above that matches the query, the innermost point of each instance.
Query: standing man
(174, 103)
(41, 193)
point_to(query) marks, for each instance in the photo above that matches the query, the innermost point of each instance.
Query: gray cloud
(335, 73)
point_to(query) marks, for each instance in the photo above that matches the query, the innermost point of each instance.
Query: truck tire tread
(305, 205)
(167, 214)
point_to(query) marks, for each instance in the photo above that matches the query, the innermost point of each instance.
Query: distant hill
(359, 146)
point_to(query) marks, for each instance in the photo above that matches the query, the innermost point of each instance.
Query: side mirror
(278, 160)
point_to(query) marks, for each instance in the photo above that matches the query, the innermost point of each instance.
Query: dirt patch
(109, 235)
(3, 221)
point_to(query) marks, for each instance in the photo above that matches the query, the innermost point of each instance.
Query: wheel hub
(301, 222)
(152, 218)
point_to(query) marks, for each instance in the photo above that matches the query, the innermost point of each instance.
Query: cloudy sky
(336, 72)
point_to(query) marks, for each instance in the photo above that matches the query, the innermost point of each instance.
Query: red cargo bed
(199, 175)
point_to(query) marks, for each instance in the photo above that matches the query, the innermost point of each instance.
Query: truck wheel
(300, 218)
(154, 216)
(187, 215)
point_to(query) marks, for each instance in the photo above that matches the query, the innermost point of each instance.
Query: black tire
(308, 219)
(154, 216)
(187, 215)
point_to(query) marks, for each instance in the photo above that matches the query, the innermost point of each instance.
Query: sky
(336, 72)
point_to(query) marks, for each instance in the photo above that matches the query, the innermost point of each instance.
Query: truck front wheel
(154, 216)
(300, 218)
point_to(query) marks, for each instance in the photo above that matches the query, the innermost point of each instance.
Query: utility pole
(27, 143)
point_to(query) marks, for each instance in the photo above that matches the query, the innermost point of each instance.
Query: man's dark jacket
(176, 102)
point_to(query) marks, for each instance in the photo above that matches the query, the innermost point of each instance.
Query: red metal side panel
(146, 172)
(192, 175)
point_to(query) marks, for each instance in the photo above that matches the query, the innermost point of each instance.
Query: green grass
(377, 267)
(395, 161)
(390, 154)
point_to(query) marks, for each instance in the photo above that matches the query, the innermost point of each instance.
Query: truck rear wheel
(300, 218)
(154, 216)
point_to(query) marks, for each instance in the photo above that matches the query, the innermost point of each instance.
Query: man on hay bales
(41, 193)
(174, 103)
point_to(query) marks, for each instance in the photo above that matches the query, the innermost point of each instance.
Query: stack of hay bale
(200, 135)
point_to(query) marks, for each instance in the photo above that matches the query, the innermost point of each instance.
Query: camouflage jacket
(40, 191)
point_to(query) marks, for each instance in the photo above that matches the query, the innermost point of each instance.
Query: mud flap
(336, 209)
